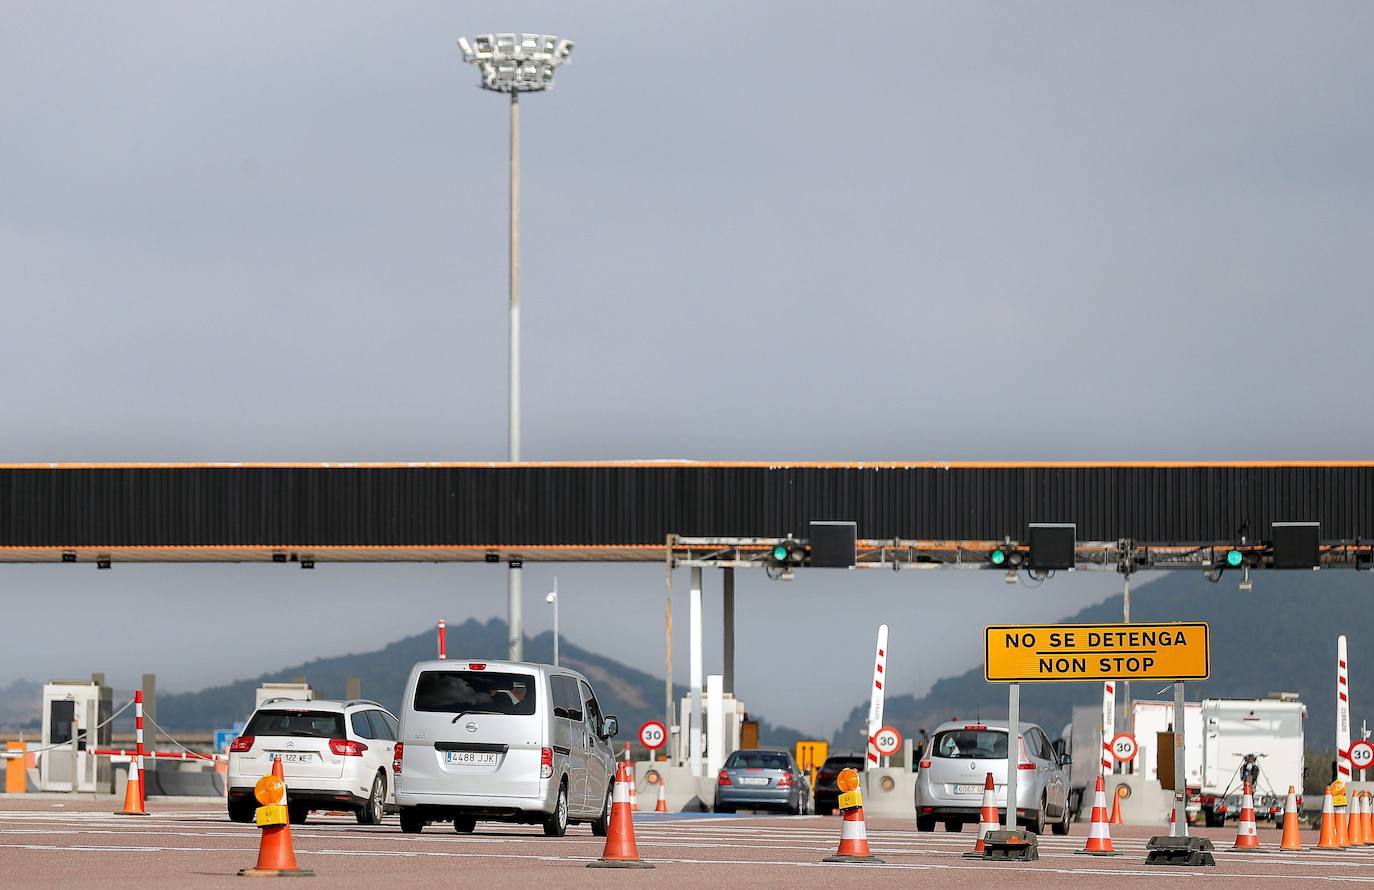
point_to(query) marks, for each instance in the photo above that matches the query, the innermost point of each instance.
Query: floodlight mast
(515, 64)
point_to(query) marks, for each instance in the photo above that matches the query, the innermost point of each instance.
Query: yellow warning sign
(1058, 652)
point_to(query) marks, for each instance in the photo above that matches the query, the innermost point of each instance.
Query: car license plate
(968, 789)
(294, 757)
(750, 780)
(471, 758)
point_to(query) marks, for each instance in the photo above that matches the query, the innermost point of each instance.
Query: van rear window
(475, 692)
(301, 723)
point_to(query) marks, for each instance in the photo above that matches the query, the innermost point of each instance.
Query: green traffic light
(997, 557)
(1234, 557)
(779, 552)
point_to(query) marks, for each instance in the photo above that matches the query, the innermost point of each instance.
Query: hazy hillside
(631, 695)
(1280, 636)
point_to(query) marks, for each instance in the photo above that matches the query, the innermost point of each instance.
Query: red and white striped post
(443, 653)
(1108, 725)
(138, 744)
(1342, 712)
(875, 705)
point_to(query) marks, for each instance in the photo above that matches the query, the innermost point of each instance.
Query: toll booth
(723, 718)
(72, 711)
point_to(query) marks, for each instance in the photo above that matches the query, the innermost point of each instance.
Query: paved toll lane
(82, 845)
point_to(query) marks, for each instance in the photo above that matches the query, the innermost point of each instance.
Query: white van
(504, 741)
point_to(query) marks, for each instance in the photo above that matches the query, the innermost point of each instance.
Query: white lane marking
(1070, 872)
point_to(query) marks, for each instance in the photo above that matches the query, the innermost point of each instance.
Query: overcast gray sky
(253, 231)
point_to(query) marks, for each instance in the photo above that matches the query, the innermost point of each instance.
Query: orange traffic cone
(634, 792)
(1099, 841)
(987, 818)
(133, 799)
(1354, 826)
(276, 858)
(662, 805)
(621, 851)
(853, 839)
(1339, 799)
(1291, 839)
(1367, 801)
(1117, 798)
(1247, 836)
(1327, 839)
(1173, 824)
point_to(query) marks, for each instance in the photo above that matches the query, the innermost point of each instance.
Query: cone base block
(870, 859)
(1234, 849)
(276, 873)
(620, 863)
(1095, 853)
(124, 813)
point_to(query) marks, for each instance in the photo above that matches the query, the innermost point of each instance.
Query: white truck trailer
(1267, 731)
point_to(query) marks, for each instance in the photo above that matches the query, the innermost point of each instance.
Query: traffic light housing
(789, 553)
(1006, 557)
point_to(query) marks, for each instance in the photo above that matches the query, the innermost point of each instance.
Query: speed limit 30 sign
(1362, 755)
(1124, 747)
(887, 740)
(652, 735)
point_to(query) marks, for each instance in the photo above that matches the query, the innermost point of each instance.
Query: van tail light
(925, 764)
(723, 778)
(241, 744)
(1025, 766)
(1021, 762)
(477, 665)
(347, 747)
(396, 757)
(546, 763)
(785, 781)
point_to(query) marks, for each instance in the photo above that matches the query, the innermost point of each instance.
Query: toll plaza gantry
(1020, 519)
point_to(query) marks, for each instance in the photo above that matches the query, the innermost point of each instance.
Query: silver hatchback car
(949, 785)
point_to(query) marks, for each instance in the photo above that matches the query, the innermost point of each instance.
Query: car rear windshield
(309, 724)
(475, 692)
(970, 744)
(838, 763)
(756, 760)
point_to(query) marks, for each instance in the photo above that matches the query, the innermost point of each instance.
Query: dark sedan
(762, 780)
(827, 795)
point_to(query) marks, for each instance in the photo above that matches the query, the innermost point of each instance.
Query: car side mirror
(1065, 760)
(609, 727)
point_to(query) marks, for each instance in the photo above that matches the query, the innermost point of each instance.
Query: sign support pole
(1013, 749)
(1180, 755)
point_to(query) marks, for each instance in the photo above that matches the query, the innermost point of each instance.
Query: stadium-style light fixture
(514, 64)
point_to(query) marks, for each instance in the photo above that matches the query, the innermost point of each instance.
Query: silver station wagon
(953, 773)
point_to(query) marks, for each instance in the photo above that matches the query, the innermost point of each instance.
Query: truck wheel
(1212, 819)
(556, 824)
(411, 823)
(1062, 826)
(601, 824)
(242, 810)
(953, 826)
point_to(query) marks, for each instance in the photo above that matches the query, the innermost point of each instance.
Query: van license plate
(968, 789)
(295, 758)
(471, 758)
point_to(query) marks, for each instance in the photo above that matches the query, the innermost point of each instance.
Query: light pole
(515, 64)
(552, 597)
